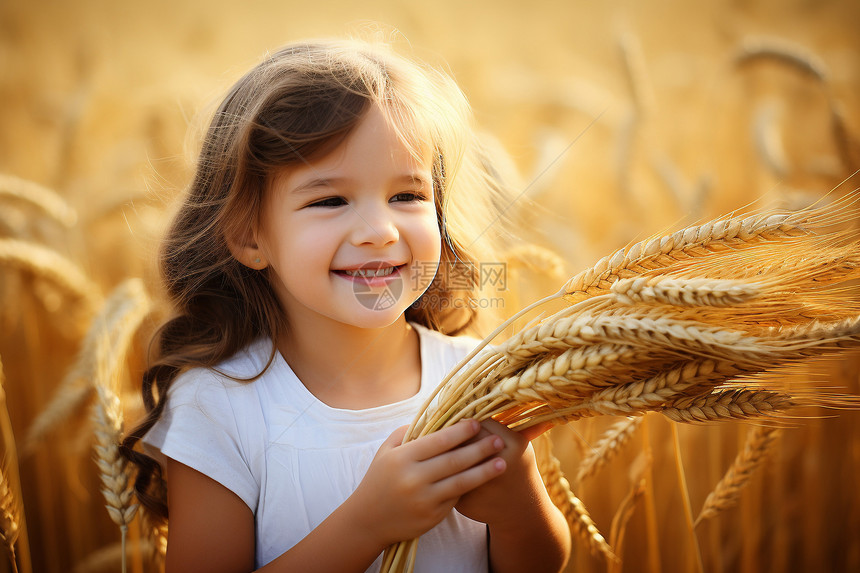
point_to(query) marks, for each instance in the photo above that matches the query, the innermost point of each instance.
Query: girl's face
(352, 236)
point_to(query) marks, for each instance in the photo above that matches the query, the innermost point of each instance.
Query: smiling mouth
(370, 273)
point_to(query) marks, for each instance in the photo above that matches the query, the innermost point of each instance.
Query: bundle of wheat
(688, 325)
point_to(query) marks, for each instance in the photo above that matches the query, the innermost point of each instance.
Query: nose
(374, 226)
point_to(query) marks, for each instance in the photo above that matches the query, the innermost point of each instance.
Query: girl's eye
(408, 197)
(329, 202)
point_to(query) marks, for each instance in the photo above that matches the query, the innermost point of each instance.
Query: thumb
(395, 438)
(535, 431)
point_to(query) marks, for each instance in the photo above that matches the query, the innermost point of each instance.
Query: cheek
(428, 257)
(296, 245)
(430, 238)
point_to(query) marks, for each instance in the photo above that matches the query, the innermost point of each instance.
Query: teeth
(366, 273)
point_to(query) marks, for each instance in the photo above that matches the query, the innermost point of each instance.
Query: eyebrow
(317, 182)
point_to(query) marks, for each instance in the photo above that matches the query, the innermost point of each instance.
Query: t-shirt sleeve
(200, 428)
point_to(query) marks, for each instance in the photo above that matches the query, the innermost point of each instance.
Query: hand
(497, 501)
(410, 488)
(527, 532)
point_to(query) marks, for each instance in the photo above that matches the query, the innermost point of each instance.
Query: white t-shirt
(291, 458)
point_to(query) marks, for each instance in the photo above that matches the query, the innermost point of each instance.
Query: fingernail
(498, 443)
(499, 464)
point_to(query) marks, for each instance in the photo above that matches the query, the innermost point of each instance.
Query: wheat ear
(646, 256)
(536, 259)
(779, 50)
(13, 525)
(44, 199)
(117, 322)
(727, 491)
(684, 292)
(47, 263)
(563, 498)
(113, 470)
(654, 392)
(727, 404)
(606, 447)
(578, 371)
(9, 517)
(633, 328)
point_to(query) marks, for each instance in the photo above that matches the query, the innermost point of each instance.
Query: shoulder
(225, 382)
(213, 422)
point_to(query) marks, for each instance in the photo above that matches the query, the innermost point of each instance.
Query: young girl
(312, 272)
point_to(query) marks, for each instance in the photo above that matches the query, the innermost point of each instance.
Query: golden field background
(624, 119)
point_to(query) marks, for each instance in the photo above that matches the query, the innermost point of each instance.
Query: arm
(535, 539)
(527, 532)
(408, 489)
(211, 529)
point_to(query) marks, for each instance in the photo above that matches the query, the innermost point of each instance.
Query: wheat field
(622, 120)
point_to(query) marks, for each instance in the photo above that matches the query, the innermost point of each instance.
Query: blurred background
(623, 118)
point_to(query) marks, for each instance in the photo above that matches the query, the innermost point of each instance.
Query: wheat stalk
(108, 557)
(727, 491)
(622, 516)
(625, 510)
(685, 498)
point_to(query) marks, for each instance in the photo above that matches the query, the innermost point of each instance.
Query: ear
(245, 248)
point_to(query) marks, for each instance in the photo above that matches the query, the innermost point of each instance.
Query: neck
(354, 368)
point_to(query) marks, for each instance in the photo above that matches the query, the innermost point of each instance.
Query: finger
(395, 438)
(435, 443)
(462, 458)
(459, 484)
(513, 440)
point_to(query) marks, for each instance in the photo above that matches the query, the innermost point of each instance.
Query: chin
(373, 319)
(377, 319)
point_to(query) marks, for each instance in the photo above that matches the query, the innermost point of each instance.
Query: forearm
(538, 540)
(339, 544)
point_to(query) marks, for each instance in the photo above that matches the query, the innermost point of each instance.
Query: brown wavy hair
(298, 103)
